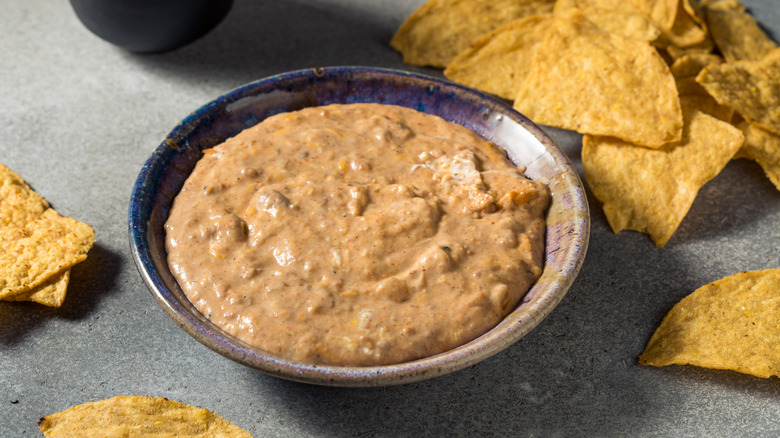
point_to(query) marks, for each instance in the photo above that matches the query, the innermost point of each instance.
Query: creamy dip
(360, 234)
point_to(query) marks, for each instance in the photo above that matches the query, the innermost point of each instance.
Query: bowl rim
(512, 328)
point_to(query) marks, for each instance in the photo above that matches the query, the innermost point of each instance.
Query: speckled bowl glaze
(568, 220)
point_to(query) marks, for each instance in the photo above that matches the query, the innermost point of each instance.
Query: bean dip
(359, 235)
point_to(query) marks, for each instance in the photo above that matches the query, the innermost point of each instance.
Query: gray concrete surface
(78, 117)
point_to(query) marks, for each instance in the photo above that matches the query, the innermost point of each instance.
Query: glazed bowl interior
(568, 222)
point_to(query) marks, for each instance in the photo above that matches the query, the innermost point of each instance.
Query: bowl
(150, 26)
(161, 178)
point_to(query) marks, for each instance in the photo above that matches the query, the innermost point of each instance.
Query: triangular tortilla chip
(37, 245)
(499, 61)
(732, 323)
(763, 147)
(662, 13)
(125, 416)
(685, 32)
(752, 88)
(692, 94)
(736, 32)
(51, 293)
(19, 203)
(439, 30)
(651, 190)
(49, 245)
(614, 16)
(588, 80)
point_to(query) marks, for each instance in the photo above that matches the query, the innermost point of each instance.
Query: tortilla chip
(685, 32)
(42, 248)
(736, 32)
(663, 13)
(692, 94)
(731, 324)
(19, 203)
(695, 9)
(38, 245)
(499, 61)
(763, 147)
(704, 103)
(689, 65)
(51, 293)
(651, 190)
(125, 416)
(705, 47)
(752, 88)
(588, 80)
(614, 16)
(439, 30)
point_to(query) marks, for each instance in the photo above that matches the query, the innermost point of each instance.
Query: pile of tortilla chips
(665, 92)
(732, 323)
(125, 416)
(37, 245)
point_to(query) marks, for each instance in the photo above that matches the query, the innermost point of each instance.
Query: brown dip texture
(359, 235)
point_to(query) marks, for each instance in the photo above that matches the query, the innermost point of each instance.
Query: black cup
(150, 26)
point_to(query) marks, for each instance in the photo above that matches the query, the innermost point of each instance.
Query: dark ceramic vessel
(568, 220)
(150, 26)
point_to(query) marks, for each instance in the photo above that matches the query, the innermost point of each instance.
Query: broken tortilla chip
(731, 324)
(651, 190)
(499, 61)
(125, 416)
(752, 88)
(736, 32)
(439, 30)
(588, 80)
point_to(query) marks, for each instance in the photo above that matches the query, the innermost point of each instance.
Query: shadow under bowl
(568, 220)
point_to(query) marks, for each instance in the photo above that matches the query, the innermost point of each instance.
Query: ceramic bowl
(568, 221)
(150, 26)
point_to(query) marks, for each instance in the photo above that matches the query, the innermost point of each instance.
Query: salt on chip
(651, 190)
(752, 88)
(763, 147)
(499, 61)
(435, 33)
(732, 323)
(51, 293)
(125, 416)
(614, 16)
(736, 32)
(588, 80)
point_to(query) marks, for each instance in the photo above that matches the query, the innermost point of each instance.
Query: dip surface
(360, 234)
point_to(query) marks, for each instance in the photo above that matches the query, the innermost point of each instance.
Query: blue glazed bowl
(568, 220)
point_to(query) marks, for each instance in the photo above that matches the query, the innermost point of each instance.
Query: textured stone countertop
(78, 118)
